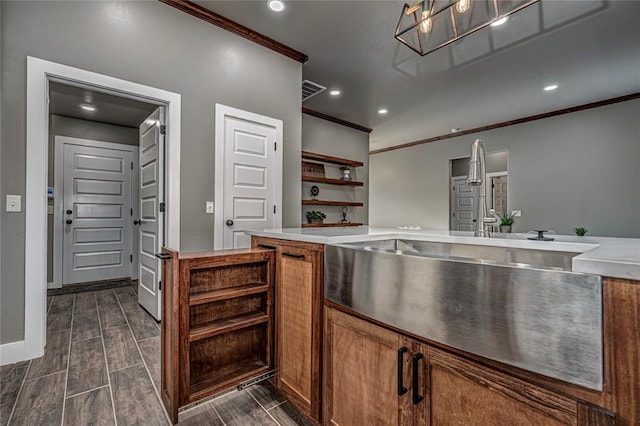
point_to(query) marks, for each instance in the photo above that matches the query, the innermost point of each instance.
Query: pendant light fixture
(428, 25)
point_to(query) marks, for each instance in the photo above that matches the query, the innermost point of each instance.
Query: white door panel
(97, 230)
(251, 176)
(464, 199)
(151, 226)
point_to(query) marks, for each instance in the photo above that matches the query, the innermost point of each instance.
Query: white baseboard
(15, 352)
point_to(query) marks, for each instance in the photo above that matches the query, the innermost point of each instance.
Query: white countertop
(606, 256)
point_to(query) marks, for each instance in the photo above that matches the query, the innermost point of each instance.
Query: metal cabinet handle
(264, 246)
(163, 256)
(297, 256)
(137, 222)
(68, 221)
(417, 398)
(229, 222)
(69, 211)
(401, 389)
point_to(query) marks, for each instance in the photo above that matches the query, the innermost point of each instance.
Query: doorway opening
(106, 155)
(463, 198)
(40, 74)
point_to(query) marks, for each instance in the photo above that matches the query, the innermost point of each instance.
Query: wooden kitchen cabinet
(298, 335)
(363, 364)
(217, 323)
(463, 393)
(367, 374)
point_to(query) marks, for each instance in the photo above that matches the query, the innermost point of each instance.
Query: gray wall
(153, 44)
(579, 169)
(325, 137)
(76, 128)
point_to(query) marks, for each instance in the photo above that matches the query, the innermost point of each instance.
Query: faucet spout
(477, 177)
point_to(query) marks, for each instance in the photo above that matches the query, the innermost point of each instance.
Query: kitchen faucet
(477, 177)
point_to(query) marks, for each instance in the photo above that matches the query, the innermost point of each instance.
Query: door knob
(229, 222)
(69, 211)
(137, 222)
(68, 221)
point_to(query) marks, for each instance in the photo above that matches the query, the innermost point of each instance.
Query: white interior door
(249, 153)
(97, 231)
(151, 209)
(463, 209)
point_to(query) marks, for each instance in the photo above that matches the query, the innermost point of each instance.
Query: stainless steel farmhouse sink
(522, 307)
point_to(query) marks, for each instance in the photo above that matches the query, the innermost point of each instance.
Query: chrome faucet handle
(493, 219)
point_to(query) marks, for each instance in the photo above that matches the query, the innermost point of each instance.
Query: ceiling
(588, 47)
(65, 100)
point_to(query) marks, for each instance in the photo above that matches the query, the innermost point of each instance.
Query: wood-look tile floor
(101, 366)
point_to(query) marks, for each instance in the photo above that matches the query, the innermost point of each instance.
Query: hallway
(102, 367)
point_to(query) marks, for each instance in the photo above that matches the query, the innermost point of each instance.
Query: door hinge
(159, 285)
(162, 207)
(275, 146)
(163, 129)
(274, 209)
(132, 165)
(131, 258)
(131, 212)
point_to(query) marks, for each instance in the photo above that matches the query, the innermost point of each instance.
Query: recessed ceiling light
(455, 130)
(276, 5)
(500, 21)
(383, 111)
(550, 87)
(88, 107)
(334, 92)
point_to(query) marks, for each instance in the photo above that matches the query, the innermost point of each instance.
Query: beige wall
(326, 137)
(150, 43)
(579, 169)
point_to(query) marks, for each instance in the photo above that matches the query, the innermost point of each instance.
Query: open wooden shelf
(331, 203)
(331, 181)
(226, 325)
(329, 225)
(227, 293)
(217, 322)
(329, 159)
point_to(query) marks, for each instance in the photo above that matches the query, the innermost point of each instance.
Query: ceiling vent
(310, 89)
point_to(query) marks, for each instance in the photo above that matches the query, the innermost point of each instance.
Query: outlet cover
(209, 207)
(14, 203)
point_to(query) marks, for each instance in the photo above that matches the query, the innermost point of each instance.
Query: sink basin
(555, 260)
(521, 307)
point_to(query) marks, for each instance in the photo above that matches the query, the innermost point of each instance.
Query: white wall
(325, 137)
(579, 169)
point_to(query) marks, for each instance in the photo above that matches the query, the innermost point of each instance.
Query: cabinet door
(361, 385)
(298, 325)
(464, 393)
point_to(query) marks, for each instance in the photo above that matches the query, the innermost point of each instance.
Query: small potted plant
(506, 221)
(315, 217)
(580, 231)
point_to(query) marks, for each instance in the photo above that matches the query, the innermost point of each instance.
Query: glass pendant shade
(429, 25)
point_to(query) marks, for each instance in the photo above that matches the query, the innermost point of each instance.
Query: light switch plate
(209, 207)
(14, 203)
